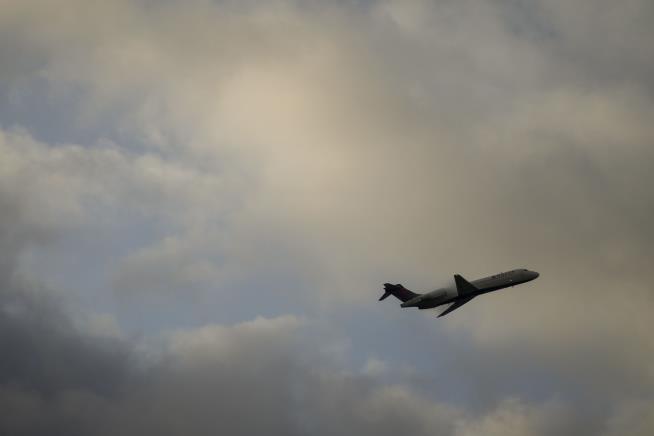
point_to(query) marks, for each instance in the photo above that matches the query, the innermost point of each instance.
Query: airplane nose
(534, 275)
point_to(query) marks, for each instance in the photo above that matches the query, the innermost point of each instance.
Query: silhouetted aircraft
(464, 292)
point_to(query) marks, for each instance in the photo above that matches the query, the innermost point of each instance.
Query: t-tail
(399, 291)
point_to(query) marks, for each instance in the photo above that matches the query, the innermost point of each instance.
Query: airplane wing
(463, 286)
(456, 305)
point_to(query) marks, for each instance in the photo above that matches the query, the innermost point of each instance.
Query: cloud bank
(215, 166)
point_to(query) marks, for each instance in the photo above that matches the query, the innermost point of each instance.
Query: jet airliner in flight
(464, 292)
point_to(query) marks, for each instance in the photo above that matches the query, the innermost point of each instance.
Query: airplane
(464, 292)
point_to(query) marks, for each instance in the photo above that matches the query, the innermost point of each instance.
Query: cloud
(513, 417)
(306, 153)
(633, 417)
(355, 146)
(215, 378)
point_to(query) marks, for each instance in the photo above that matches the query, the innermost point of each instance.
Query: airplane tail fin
(399, 291)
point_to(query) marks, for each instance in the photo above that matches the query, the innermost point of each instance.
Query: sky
(200, 202)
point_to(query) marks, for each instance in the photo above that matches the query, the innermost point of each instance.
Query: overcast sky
(200, 201)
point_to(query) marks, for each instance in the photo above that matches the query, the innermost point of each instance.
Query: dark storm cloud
(249, 378)
(44, 356)
(245, 379)
(44, 353)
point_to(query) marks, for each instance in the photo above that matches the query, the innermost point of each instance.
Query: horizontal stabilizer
(399, 291)
(463, 286)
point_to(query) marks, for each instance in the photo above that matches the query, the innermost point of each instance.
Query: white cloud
(216, 343)
(514, 417)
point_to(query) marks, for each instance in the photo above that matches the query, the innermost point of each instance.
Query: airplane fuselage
(484, 285)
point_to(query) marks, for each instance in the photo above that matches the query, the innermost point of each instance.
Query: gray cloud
(303, 151)
(213, 379)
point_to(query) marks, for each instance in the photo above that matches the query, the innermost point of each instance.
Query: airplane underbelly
(436, 300)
